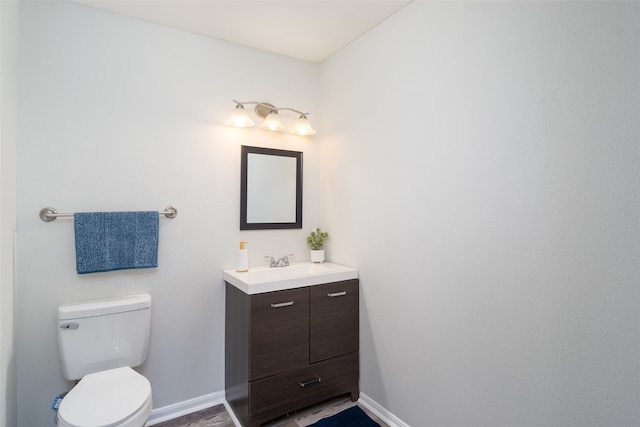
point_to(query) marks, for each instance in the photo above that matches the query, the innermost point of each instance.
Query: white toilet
(99, 342)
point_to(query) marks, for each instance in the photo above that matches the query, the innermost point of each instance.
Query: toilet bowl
(116, 397)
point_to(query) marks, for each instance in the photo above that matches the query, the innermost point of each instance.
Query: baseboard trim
(179, 409)
(381, 412)
(232, 414)
(196, 404)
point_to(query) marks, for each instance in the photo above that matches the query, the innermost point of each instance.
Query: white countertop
(265, 279)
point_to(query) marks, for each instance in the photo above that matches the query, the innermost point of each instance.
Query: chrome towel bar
(50, 214)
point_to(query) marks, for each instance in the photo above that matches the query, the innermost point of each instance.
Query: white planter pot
(316, 256)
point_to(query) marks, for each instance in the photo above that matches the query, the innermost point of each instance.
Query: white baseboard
(179, 409)
(381, 412)
(232, 414)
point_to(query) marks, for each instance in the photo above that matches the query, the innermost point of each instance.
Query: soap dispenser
(243, 258)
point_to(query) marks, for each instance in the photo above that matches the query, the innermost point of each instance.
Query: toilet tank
(103, 334)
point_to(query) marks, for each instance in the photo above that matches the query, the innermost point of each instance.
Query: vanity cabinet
(288, 349)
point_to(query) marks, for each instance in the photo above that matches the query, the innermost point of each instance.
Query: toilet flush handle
(71, 325)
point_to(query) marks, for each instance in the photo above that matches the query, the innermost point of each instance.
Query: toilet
(99, 342)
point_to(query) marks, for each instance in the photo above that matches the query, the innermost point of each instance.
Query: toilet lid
(105, 399)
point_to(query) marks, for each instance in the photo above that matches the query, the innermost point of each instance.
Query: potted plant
(316, 240)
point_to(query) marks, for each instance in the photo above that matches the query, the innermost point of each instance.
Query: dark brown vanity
(288, 349)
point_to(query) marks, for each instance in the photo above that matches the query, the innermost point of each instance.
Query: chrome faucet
(281, 262)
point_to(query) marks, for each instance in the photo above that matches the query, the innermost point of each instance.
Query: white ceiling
(311, 30)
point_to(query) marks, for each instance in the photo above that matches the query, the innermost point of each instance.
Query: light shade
(302, 127)
(239, 118)
(272, 122)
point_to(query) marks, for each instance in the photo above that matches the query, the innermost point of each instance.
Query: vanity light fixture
(269, 112)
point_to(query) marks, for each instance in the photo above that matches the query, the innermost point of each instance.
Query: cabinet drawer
(334, 320)
(295, 389)
(279, 336)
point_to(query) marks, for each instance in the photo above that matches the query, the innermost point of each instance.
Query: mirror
(270, 189)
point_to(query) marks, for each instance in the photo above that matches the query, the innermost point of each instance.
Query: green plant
(316, 239)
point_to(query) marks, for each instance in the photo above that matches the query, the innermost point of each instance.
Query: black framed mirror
(270, 188)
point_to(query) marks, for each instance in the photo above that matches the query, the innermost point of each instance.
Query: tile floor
(217, 416)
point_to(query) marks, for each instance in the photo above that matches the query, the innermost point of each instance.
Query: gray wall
(9, 15)
(120, 114)
(482, 172)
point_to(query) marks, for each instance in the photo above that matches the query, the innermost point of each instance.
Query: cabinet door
(334, 318)
(279, 337)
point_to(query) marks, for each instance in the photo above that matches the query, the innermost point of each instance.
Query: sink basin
(265, 279)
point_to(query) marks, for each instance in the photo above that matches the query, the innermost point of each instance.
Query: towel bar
(50, 214)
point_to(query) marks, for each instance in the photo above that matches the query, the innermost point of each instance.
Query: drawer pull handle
(282, 304)
(337, 294)
(310, 382)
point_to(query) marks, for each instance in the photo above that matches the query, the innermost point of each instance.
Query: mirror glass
(271, 189)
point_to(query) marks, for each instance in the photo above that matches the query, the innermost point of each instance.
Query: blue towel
(107, 241)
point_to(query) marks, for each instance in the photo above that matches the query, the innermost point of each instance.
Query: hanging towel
(107, 241)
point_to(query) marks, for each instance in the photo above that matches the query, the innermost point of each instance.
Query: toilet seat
(107, 399)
